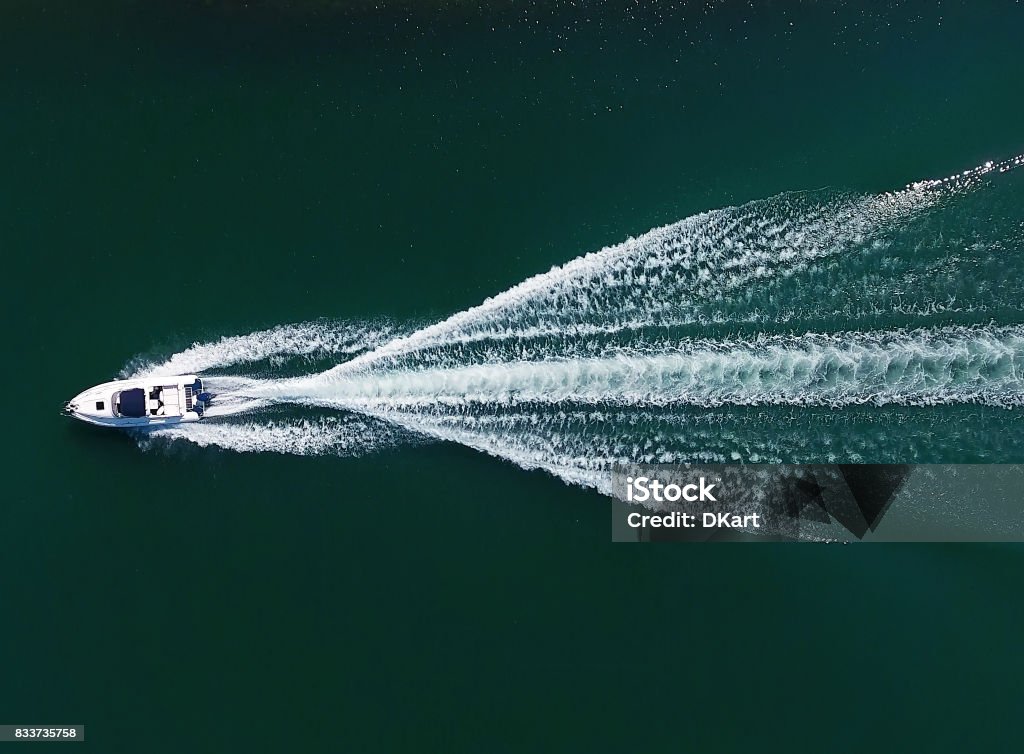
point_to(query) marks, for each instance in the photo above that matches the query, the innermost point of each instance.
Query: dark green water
(405, 164)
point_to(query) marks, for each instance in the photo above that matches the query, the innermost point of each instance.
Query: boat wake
(808, 327)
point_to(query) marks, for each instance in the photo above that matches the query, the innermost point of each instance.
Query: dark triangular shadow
(873, 487)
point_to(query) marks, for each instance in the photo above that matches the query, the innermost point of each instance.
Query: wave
(340, 436)
(924, 367)
(307, 340)
(851, 328)
(670, 275)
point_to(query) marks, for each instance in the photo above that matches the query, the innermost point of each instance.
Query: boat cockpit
(159, 400)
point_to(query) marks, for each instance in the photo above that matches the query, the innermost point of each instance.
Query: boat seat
(153, 404)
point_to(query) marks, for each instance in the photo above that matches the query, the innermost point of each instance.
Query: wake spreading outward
(801, 328)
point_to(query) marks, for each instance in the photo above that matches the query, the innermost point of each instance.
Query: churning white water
(607, 359)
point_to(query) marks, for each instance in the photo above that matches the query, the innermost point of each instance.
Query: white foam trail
(657, 277)
(305, 340)
(560, 372)
(232, 406)
(589, 442)
(581, 446)
(661, 277)
(343, 436)
(583, 472)
(921, 367)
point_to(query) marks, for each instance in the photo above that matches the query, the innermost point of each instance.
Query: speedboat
(142, 402)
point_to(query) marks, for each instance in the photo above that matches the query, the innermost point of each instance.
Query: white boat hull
(144, 402)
